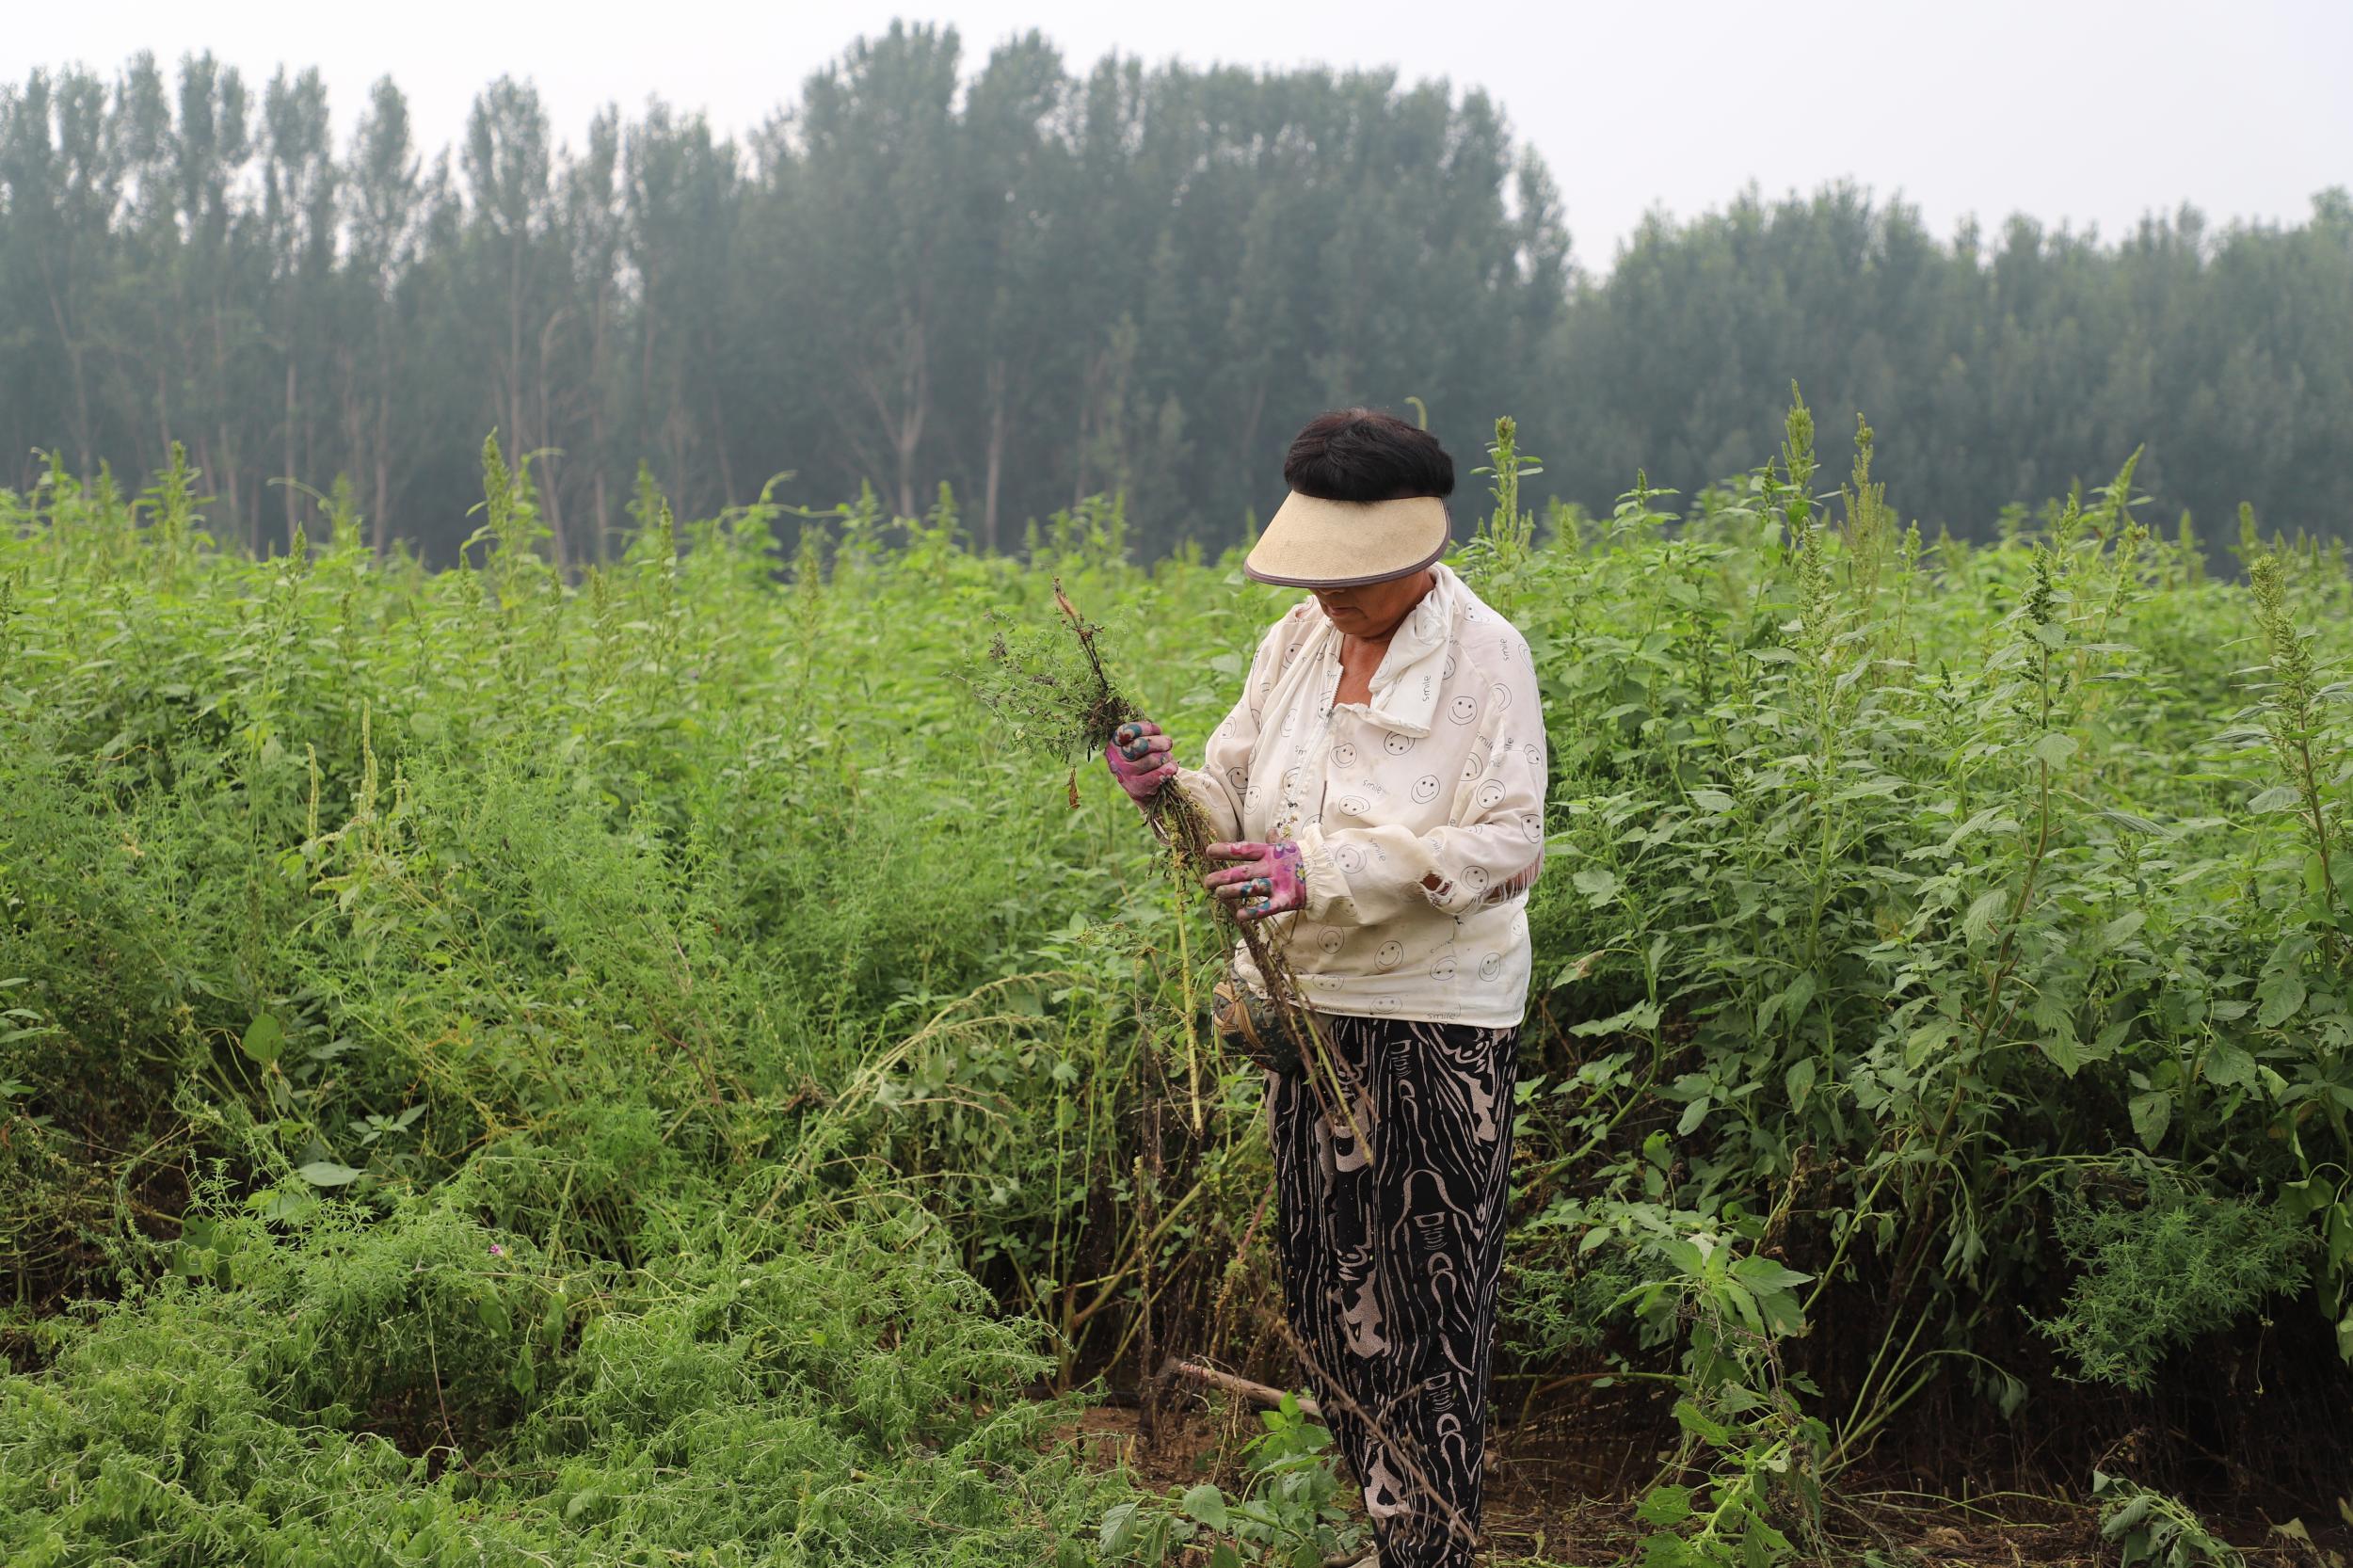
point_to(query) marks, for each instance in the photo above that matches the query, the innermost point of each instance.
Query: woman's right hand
(1138, 759)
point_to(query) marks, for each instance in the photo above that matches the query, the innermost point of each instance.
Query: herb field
(652, 1069)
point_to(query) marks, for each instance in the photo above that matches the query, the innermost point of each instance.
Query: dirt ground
(1561, 1489)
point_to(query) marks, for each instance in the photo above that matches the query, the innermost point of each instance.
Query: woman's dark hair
(1363, 455)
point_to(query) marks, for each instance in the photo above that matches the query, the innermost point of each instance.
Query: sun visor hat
(1314, 543)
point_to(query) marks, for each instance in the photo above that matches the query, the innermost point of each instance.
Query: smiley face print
(1432, 764)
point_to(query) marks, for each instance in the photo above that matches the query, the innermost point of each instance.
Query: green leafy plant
(1288, 1512)
(1746, 1474)
(2151, 1526)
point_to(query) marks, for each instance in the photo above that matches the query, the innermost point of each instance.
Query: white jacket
(1420, 814)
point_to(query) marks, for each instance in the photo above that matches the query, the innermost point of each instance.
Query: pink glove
(1138, 757)
(1268, 878)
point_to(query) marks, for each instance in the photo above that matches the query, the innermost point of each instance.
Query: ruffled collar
(1406, 687)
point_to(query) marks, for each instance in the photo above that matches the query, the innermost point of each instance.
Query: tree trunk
(377, 528)
(291, 475)
(547, 425)
(915, 403)
(598, 457)
(996, 456)
(73, 362)
(515, 352)
(719, 441)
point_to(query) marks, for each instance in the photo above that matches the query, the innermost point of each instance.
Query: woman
(1381, 788)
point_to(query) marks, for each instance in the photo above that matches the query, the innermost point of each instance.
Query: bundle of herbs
(1054, 696)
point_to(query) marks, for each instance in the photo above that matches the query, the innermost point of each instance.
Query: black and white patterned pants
(1392, 1253)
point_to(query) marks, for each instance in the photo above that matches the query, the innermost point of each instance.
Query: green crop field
(658, 1069)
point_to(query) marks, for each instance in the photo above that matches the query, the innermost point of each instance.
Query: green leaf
(1598, 884)
(1206, 1504)
(1713, 800)
(325, 1173)
(1671, 1551)
(2124, 1518)
(1978, 924)
(1642, 1016)
(2153, 1112)
(277, 1203)
(2282, 997)
(1799, 1081)
(1224, 1556)
(2279, 797)
(265, 1039)
(1760, 1272)
(1666, 1506)
(1691, 1419)
(2130, 820)
(1121, 1526)
(2056, 748)
(2228, 1065)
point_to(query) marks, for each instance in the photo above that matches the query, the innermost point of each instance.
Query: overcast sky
(2092, 112)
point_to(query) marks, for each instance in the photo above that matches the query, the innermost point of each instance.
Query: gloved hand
(1268, 880)
(1138, 757)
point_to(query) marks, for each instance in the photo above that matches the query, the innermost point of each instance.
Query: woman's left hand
(1266, 881)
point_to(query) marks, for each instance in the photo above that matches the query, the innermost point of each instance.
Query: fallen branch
(1256, 1392)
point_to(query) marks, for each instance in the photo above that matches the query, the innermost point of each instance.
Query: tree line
(1032, 284)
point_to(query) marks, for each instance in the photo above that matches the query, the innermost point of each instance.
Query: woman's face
(1373, 610)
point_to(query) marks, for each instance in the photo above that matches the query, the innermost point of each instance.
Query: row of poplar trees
(1031, 285)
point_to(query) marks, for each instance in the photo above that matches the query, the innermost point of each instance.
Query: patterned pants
(1392, 1253)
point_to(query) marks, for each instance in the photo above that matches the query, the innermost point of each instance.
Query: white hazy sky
(2092, 112)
